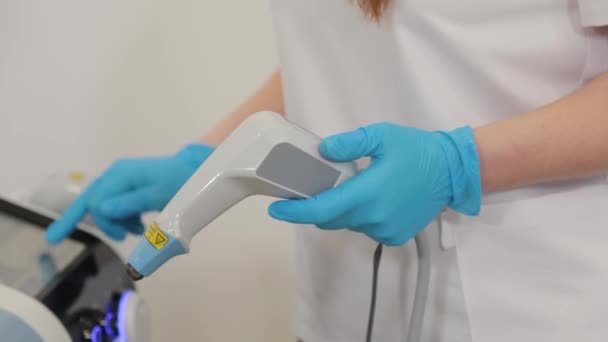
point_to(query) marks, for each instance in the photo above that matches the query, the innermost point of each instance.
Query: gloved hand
(127, 189)
(412, 177)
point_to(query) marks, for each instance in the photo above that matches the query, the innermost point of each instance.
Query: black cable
(372, 309)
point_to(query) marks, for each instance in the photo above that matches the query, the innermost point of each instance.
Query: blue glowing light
(122, 316)
(110, 331)
(97, 334)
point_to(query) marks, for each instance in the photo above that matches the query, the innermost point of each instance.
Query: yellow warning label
(156, 237)
(77, 176)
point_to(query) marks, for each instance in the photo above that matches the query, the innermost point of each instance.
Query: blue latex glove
(127, 189)
(412, 177)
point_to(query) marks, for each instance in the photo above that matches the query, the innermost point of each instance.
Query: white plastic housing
(37, 317)
(230, 174)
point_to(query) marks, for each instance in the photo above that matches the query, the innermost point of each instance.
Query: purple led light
(97, 334)
(122, 316)
(108, 327)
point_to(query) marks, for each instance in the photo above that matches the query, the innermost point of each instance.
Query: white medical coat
(534, 265)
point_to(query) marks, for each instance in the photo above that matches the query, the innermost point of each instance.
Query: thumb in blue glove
(412, 177)
(130, 187)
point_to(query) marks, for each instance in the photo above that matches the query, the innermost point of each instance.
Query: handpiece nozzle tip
(133, 273)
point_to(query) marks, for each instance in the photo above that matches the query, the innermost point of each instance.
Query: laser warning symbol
(156, 237)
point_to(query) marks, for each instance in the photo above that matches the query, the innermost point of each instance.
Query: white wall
(84, 82)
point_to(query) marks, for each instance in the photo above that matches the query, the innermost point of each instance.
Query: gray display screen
(288, 166)
(27, 262)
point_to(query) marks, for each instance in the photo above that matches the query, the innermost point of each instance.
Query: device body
(75, 291)
(265, 155)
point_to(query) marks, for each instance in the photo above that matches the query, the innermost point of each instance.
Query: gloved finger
(328, 205)
(332, 225)
(363, 142)
(387, 236)
(66, 224)
(132, 225)
(132, 203)
(111, 229)
(117, 179)
(344, 221)
(359, 219)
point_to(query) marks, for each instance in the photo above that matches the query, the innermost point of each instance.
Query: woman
(508, 98)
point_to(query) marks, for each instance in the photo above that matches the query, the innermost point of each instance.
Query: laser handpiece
(265, 155)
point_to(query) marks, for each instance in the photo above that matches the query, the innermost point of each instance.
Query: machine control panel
(82, 280)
